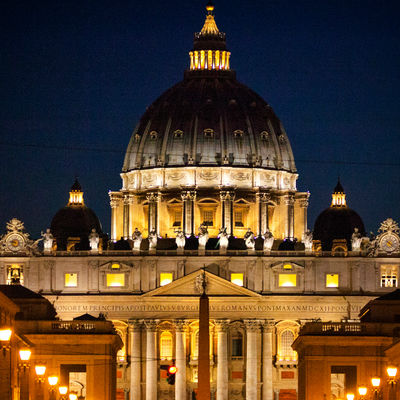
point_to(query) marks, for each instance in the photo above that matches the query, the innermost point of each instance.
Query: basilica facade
(208, 197)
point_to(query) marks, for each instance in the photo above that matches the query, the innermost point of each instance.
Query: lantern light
(73, 396)
(53, 380)
(350, 396)
(25, 354)
(5, 334)
(40, 370)
(376, 382)
(362, 390)
(391, 371)
(63, 390)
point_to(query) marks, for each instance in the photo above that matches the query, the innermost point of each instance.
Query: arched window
(121, 354)
(286, 353)
(166, 345)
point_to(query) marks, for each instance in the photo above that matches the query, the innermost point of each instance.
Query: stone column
(151, 359)
(113, 204)
(268, 331)
(304, 206)
(227, 197)
(153, 198)
(126, 216)
(180, 356)
(222, 365)
(289, 201)
(136, 364)
(252, 333)
(188, 198)
(262, 200)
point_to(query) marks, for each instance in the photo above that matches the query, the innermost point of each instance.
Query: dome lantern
(76, 194)
(338, 196)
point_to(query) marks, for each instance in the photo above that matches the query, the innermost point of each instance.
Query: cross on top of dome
(210, 27)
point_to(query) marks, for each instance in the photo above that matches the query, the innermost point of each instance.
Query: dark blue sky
(75, 76)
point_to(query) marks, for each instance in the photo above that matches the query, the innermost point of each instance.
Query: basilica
(208, 198)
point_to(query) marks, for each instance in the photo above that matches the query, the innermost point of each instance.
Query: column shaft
(151, 361)
(251, 360)
(136, 364)
(180, 378)
(222, 366)
(126, 217)
(267, 393)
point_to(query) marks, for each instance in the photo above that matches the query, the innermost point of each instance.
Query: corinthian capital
(151, 324)
(252, 325)
(152, 196)
(180, 325)
(221, 325)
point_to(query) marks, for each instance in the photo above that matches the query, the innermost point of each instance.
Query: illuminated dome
(209, 118)
(72, 224)
(338, 221)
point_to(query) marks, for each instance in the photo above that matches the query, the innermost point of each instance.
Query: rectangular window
(115, 280)
(239, 219)
(389, 275)
(237, 346)
(165, 278)
(177, 218)
(71, 280)
(287, 280)
(208, 217)
(15, 274)
(332, 280)
(237, 279)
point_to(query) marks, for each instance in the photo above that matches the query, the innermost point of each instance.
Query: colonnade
(257, 332)
(265, 202)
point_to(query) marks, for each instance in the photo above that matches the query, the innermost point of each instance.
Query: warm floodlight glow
(165, 278)
(53, 380)
(237, 279)
(350, 396)
(25, 354)
(5, 335)
(40, 370)
(362, 390)
(376, 382)
(63, 390)
(391, 371)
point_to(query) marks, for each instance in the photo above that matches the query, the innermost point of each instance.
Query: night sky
(75, 77)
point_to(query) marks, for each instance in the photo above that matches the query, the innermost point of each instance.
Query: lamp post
(53, 380)
(40, 372)
(392, 372)
(350, 396)
(73, 396)
(24, 357)
(5, 338)
(376, 382)
(63, 392)
(362, 391)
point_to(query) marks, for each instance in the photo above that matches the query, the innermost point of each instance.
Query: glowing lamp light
(53, 380)
(391, 371)
(362, 390)
(350, 396)
(63, 390)
(40, 370)
(376, 382)
(5, 335)
(73, 396)
(25, 354)
(172, 369)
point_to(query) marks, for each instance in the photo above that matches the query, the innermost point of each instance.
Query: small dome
(337, 222)
(75, 220)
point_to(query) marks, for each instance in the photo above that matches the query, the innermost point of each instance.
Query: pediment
(191, 285)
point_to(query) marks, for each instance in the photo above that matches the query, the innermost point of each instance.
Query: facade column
(268, 331)
(227, 197)
(289, 201)
(126, 216)
(252, 333)
(151, 359)
(153, 198)
(188, 198)
(262, 200)
(135, 329)
(304, 206)
(180, 360)
(222, 365)
(114, 200)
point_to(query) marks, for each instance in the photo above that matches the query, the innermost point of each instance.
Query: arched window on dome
(166, 345)
(238, 133)
(264, 135)
(153, 135)
(178, 134)
(209, 133)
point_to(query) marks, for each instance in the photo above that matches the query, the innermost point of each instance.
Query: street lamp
(350, 396)
(53, 380)
(392, 372)
(376, 382)
(24, 356)
(73, 396)
(63, 391)
(362, 391)
(5, 337)
(40, 371)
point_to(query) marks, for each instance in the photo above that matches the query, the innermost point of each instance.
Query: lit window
(166, 346)
(239, 219)
(287, 280)
(389, 275)
(15, 275)
(177, 218)
(286, 353)
(237, 279)
(208, 217)
(115, 266)
(115, 280)
(165, 278)
(71, 280)
(288, 266)
(332, 280)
